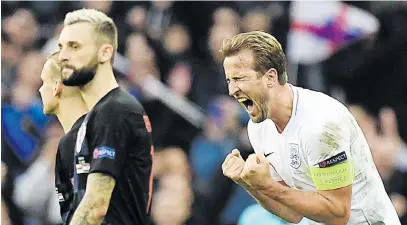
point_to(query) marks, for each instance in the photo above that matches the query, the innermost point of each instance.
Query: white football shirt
(321, 134)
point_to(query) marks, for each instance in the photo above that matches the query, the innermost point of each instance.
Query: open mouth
(248, 104)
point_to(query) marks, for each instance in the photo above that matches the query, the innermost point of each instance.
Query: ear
(272, 77)
(57, 88)
(105, 53)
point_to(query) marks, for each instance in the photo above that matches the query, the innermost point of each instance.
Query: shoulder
(318, 112)
(325, 123)
(119, 105)
(318, 104)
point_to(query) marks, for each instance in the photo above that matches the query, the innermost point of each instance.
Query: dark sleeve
(111, 138)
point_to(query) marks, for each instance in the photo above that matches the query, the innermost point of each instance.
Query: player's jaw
(49, 105)
(253, 108)
(79, 77)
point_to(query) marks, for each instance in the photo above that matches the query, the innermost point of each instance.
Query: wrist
(242, 183)
(265, 186)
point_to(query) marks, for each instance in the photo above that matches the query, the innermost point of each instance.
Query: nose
(62, 55)
(40, 90)
(233, 88)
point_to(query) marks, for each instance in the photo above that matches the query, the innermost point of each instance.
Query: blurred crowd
(169, 60)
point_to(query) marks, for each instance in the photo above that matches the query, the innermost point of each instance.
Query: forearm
(275, 207)
(87, 214)
(95, 202)
(312, 205)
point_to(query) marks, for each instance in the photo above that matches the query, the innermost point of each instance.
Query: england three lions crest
(295, 161)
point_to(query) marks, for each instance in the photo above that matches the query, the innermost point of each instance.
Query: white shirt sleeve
(328, 140)
(329, 155)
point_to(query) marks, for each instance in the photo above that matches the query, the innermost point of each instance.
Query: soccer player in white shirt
(312, 159)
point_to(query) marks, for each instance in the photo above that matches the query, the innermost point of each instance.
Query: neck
(69, 111)
(103, 82)
(282, 107)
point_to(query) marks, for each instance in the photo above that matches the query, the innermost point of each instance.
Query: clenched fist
(256, 170)
(233, 166)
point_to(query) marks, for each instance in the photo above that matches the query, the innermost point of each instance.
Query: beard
(82, 76)
(262, 103)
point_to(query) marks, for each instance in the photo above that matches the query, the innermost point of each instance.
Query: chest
(289, 159)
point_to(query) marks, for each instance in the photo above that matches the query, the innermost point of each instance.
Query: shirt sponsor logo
(339, 158)
(104, 152)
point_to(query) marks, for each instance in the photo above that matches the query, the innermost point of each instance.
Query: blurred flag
(318, 29)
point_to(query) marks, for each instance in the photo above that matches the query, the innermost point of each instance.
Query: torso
(297, 149)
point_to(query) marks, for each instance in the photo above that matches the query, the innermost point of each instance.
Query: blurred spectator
(136, 18)
(18, 212)
(255, 214)
(28, 70)
(210, 79)
(226, 17)
(360, 68)
(22, 28)
(256, 20)
(220, 136)
(217, 34)
(389, 154)
(177, 41)
(170, 128)
(142, 58)
(51, 45)
(10, 58)
(159, 17)
(104, 6)
(171, 170)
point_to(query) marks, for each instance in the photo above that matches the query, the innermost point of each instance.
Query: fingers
(226, 162)
(235, 152)
(261, 157)
(388, 122)
(233, 165)
(256, 158)
(252, 159)
(251, 164)
(255, 169)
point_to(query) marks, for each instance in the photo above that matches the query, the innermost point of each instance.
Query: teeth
(242, 99)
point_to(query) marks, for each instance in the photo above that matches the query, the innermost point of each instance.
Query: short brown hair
(267, 51)
(104, 25)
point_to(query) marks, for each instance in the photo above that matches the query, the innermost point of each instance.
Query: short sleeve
(329, 158)
(111, 137)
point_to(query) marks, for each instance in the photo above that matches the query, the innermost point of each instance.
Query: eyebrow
(69, 43)
(237, 75)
